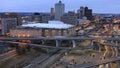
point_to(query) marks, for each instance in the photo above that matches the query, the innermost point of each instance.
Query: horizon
(49, 12)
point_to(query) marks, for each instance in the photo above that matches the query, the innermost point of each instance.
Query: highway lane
(7, 55)
(51, 59)
(98, 62)
(61, 38)
(41, 59)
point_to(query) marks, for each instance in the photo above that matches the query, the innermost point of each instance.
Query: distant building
(83, 21)
(27, 18)
(41, 17)
(69, 18)
(53, 28)
(45, 18)
(7, 24)
(81, 12)
(52, 13)
(0, 24)
(84, 11)
(59, 10)
(36, 17)
(12, 15)
(9, 21)
(88, 13)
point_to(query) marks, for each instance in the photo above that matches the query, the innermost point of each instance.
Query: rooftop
(50, 24)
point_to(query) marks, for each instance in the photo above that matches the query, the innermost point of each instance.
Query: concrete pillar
(116, 51)
(66, 52)
(116, 43)
(104, 65)
(43, 42)
(57, 43)
(91, 42)
(118, 64)
(111, 42)
(100, 48)
(108, 65)
(74, 43)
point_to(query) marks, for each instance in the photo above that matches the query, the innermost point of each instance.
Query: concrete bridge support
(108, 65)
(118, 64)
(91, 42)
(74, 43)
(57, 43)
(116, 51)
(43, 42)
(99, 47)
(104, 66)
(116, 43)
(111, 41)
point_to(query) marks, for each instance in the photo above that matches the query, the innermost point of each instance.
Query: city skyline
(98, 6)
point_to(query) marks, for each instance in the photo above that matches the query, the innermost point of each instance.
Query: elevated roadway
(60, 38)
(98, 62)
(52, 47)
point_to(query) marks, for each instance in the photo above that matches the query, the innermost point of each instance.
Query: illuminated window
(23, 35)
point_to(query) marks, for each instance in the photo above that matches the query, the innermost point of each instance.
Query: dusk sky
(98, 6)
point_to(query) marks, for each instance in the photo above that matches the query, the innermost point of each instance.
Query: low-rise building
(53, 28)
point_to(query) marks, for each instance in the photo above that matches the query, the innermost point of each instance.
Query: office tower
(84, 11)
(59, 10)
(69, 18)
(81, 12)
(52, 13)
(9, 21)
(88, 13)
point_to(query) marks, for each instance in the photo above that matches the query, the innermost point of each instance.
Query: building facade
(84, 11)
(45, 18)
(36, 17)
(88, 13)
(70, 18)
(9, 21)
(52, 14)
(59, 10)
(43, 30)
(12, 15)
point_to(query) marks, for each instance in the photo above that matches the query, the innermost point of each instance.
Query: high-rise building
(9, 21)
(69, 18)
(88, 13)
(52, 13)
(59, 10)
(81, 12)
(84, 11)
